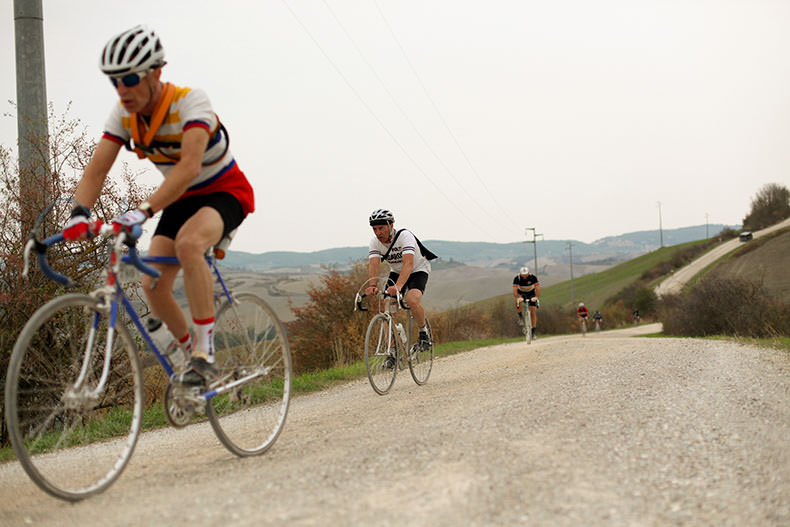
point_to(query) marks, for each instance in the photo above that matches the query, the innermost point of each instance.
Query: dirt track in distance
(602, 430)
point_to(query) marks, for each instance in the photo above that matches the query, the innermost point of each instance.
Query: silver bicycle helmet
(381, 217)
(135, 50)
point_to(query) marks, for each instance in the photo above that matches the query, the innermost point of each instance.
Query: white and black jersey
(526, 285)
(405, 244)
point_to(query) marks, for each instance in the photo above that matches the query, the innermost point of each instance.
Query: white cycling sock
(204, 338)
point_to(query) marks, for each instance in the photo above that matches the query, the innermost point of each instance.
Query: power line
(405, 115)
(441, 118)
(372, 113)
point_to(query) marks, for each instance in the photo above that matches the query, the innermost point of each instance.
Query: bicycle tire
(421, 360)
(584, 328)
(71, 444)
(527, 323)
(248, 337)
(381, 343)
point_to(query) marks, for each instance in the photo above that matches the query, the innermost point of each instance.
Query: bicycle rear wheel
(421, 360)
(71, 442)
(250, 343)
(380, 345)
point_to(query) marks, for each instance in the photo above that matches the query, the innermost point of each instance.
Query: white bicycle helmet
(135, 50)
(581, 304)
(524, 271)
(381, 217)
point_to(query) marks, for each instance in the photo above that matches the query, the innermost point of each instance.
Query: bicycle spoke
(48, 416)
(249, 339)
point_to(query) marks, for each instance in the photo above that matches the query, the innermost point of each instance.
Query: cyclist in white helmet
(527, 288)
(203, 197)
(409, 265)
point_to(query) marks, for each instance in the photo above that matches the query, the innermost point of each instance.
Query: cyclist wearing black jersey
(526, 289)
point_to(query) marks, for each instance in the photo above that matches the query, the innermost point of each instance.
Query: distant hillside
(606, 251)
(765, 260)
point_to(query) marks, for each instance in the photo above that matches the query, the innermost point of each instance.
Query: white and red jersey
(189, 108)
(405, 244)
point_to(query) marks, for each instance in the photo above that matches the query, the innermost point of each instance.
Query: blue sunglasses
(128, 80)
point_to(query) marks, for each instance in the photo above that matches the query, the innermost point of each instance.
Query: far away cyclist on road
(527, 287)
(582, 313)
(409, 266)
(203, 197)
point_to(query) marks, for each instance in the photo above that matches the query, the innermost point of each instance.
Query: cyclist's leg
(533, 313)
(163, 303)
(415, 287)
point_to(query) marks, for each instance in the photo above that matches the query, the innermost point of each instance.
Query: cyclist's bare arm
(515, 291)
(92, 181)
(373, 272)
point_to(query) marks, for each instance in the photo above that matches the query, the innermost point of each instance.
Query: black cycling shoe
(200, 372)
(425, 341)
(389, 363)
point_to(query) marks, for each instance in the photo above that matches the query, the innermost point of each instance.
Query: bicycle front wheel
(72, 439)
(381, 354)
(251, 349)
(421, 359)
(527, 324)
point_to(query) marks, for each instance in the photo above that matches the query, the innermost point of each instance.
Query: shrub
(69, 152)
(736, 307)
(770, 205)
(327, 332)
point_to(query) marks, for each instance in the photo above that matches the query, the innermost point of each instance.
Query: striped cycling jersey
(189, 108)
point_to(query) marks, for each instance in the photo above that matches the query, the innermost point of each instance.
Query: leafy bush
(736, 307)
(770, 205)
(69, 152)
(327, 332)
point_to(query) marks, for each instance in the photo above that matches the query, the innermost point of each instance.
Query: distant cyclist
(636, 317)
(409, 265)
(582, 313)
(526, 289)
(598, 318)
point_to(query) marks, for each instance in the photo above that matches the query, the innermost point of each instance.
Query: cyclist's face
(383, 232)
(139, 97)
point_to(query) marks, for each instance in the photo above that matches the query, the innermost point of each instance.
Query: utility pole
(534, 245)
(570, 254)
(660, 229)
(706, 225)
(32, 125)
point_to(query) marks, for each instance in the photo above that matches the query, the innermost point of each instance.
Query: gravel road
(608, 429)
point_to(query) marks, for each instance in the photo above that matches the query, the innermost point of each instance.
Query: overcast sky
(470, 120)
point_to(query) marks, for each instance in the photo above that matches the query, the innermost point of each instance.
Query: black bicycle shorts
(416, 280)
(176, 214)
(532, 300)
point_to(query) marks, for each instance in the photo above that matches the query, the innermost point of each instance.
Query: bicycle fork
(80, 395)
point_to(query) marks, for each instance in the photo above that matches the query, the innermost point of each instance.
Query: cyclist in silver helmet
(409, 265)
(526, 290)
(203, 197)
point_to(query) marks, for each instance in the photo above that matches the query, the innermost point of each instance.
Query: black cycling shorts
(531, 300)
(176, 214)
(416, 280)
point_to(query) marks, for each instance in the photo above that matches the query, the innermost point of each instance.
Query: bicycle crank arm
(227, 387)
